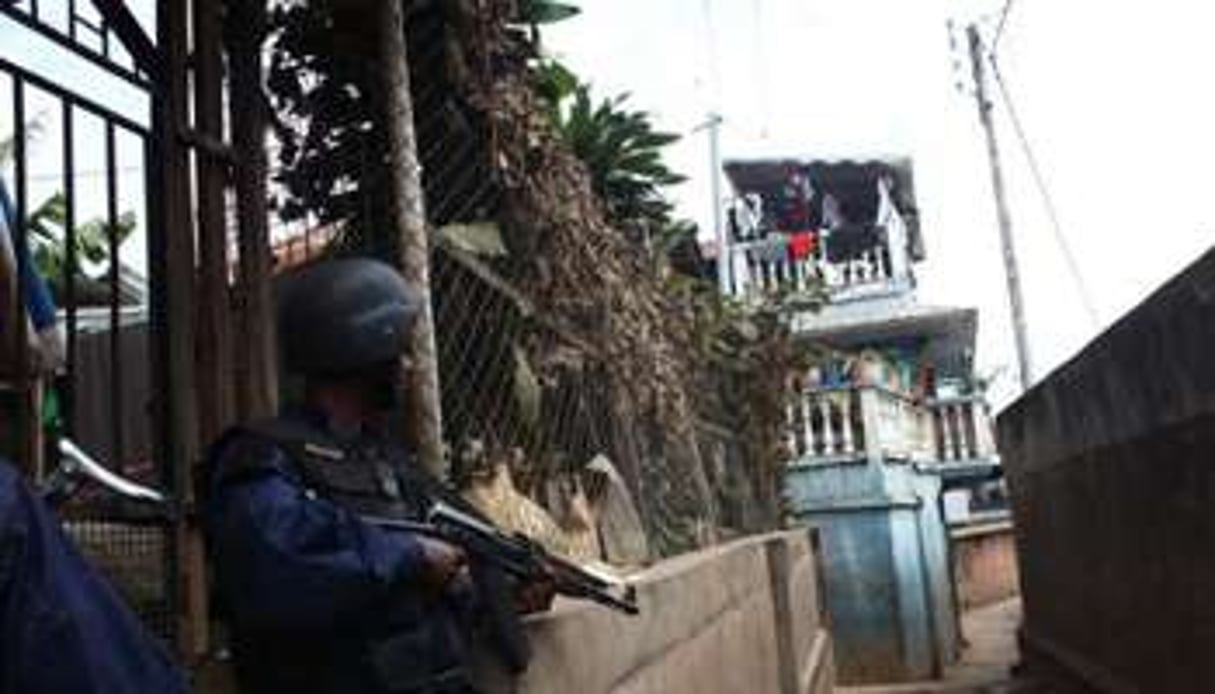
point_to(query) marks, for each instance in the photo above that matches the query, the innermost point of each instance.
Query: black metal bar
(81, 102)
(71, 264)
(71, 9)
(23, 427)
(116, 366)
(104, 31)
(34, 9)
(67, 43)
(115, 14)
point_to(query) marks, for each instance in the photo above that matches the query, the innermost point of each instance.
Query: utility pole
(1015, 300)
(409, 219)
(713, 125)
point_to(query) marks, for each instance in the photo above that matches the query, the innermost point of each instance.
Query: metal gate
(76, 157)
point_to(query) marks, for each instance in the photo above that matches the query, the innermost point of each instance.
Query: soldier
(317, 599)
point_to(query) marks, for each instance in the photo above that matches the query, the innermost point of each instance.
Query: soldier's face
(382, 383)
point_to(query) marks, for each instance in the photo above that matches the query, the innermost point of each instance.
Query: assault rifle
(518, 555)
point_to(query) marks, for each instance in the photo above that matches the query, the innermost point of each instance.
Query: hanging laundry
(793, 201)
(773, 249)
(832, 216)
(801, 244)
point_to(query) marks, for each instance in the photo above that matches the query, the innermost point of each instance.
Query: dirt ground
(986, 665)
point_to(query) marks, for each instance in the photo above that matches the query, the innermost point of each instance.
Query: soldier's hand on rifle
(443, 563)
(536, 595)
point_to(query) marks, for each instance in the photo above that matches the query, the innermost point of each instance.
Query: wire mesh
(514, 382)
(526, 387)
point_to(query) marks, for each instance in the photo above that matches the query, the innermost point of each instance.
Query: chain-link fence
(527, 331)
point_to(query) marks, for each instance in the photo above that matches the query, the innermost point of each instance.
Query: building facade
(890, 431)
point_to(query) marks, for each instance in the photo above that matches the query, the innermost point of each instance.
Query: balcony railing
(758, 268)
(963, 429)
(856, 422)
(826, 423)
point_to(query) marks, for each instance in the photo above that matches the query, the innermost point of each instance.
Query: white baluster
(983, 445)
(791, 430)
(955, 434)
(847, 443)
(971, 437)
(900, 424)
(808, 425)
(828, 435)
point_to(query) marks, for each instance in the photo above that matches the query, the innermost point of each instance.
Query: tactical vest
(368, 477)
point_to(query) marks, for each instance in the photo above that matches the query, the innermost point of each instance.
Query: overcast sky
(1115, 98)
(1114, 95)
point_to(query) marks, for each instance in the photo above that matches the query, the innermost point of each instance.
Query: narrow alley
(988, 662)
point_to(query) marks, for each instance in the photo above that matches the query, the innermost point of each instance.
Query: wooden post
(408, 216)
(171, 270)
(213, 348)
(1011, 271)
(257, 374)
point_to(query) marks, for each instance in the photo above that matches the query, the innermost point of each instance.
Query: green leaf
(557, 82)
(527, 388)
(478, 238)
(546, 12)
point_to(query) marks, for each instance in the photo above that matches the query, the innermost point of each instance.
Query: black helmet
(343, 315)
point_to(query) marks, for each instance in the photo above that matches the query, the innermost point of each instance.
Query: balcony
(758, 269)
(833, 425)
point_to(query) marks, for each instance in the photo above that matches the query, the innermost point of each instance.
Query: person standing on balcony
(319, 600)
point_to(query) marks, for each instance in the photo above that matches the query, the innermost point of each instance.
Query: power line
(706, 8)
(1048, 200)
(995, 42)
(760, 58)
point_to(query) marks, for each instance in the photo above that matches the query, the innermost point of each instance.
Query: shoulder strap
(259, 447)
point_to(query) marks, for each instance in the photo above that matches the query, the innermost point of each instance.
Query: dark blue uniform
(62, 628)
(318, 600)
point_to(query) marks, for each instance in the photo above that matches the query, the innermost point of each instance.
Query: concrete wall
(1111, 465)
(885, 567)
(985, 563)
(742, 617)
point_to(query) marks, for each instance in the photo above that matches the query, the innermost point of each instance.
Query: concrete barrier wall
(885, 565)
(985, 563)
(742, 617)
(1111, 466)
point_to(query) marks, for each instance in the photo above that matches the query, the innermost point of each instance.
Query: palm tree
(621, 148)
(48, 240)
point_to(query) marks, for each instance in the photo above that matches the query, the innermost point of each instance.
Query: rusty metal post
(408, 216)
(213, 348)
(257, 393)
(171, 273)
